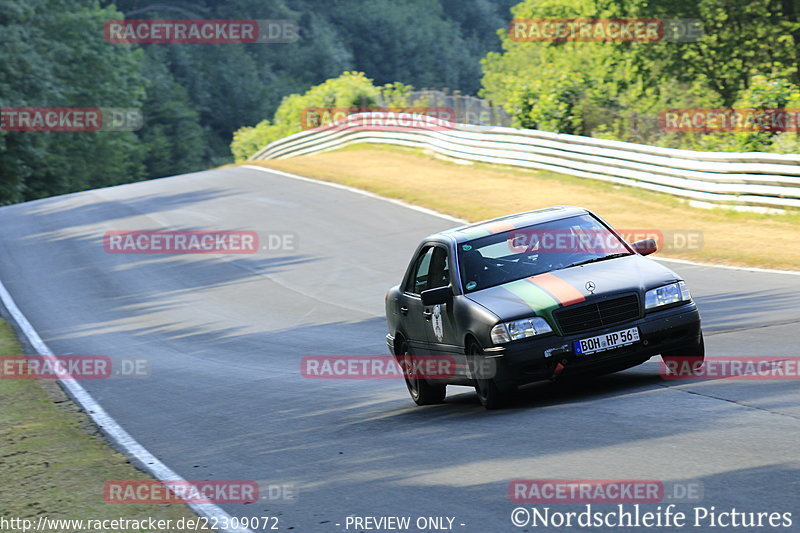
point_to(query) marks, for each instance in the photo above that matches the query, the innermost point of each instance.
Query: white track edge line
(112, 429)
(359, 191)
(462, 221)
(729, 267)
(139, 453)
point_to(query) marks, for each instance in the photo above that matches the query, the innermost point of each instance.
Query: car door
(414, 317)
(443, 332)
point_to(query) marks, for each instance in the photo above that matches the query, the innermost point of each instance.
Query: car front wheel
(490, 395)
(691, 358)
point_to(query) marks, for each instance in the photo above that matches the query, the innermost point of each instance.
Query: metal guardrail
(752, 180)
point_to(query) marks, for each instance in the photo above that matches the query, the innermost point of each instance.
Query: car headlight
(668, 294)
(520, 329)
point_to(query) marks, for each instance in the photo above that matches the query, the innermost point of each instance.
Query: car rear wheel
(422, 392)
(490, 395)
(690, 359)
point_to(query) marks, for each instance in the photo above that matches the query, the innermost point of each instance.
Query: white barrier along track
(754, 180)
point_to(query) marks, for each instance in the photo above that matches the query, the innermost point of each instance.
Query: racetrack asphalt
(224, 336)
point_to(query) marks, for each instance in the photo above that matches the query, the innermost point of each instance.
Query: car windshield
(522, 252)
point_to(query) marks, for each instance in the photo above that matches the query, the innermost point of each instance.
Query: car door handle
(427, 314)
(404, 310)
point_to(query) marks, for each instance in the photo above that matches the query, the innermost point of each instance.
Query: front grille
(585, 317)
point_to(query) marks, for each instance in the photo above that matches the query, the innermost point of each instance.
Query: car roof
(475, 230)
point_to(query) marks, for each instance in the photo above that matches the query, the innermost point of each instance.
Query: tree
(79, 69)
(618, 90)
(351, 90)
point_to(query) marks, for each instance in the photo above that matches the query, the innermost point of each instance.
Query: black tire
(421, 391)
(490, 395)
(689, 358)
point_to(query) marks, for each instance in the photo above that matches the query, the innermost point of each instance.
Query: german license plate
(605, 342)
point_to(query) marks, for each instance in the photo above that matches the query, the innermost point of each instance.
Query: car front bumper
(661, 331)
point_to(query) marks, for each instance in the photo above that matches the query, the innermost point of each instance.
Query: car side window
(418, 281)
(439, 275)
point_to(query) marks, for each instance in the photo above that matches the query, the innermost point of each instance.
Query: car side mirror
(645, 247)
(439, 295)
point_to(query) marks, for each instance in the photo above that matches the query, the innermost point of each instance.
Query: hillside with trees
(195, 99)
(194, 96)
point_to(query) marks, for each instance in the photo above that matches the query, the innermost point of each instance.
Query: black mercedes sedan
(538, 295)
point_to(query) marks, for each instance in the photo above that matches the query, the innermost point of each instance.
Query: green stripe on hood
(533, 295)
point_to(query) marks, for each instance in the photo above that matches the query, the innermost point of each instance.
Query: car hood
(543, 294)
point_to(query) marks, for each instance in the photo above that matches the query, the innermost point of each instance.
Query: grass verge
(53, 461)
(479, 191)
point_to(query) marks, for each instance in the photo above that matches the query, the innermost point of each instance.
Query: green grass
(479, 191)
(53, 461)
(667, 200)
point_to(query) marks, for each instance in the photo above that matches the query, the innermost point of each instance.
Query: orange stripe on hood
(499, 227)
(560, 289)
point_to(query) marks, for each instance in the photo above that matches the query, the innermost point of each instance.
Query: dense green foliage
(54, 55)
(350, 91)
(194, 96)
(747, 57)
